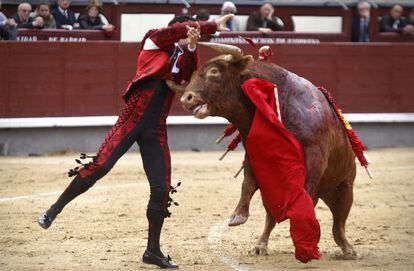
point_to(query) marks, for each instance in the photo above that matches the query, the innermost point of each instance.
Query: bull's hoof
(348, 254)
(237, 219)
(259, 250)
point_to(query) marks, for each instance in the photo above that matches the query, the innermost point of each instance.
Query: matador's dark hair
(181, 19)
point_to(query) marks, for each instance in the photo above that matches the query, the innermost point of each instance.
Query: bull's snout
(188, 99)
(193, 101)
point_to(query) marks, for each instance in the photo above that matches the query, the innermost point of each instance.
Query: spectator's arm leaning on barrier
(103, 19)
(7, 27)
(65, 18)
(92, 20)
(23, 18)
(404, 27)
(386, 24)
(4, 21)
(43, 11)
(395, 22)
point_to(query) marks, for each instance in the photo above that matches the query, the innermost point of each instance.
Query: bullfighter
(164, 54)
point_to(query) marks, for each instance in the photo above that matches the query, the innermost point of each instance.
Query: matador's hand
(222, 21)
(193, 35)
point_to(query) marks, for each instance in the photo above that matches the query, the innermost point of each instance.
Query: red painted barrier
(80, 79)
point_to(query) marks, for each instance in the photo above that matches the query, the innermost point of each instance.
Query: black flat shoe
(163, 262)
(46, 219)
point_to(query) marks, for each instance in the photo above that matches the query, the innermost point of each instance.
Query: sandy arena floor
(105, 229)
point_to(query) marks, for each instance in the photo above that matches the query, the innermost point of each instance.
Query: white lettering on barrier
(27, 38)
(260, 40)
(61, 39)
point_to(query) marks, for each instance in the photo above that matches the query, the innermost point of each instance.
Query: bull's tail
(357, 145)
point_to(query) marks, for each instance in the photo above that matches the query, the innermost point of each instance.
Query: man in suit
(360, 23)
(23, 19)
(411, 17)
(395, 22)
(65, 18)
(7, 27)
(264, 20)
(233, 24)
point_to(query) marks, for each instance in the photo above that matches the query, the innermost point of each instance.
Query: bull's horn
(235, 51)
(175, 87)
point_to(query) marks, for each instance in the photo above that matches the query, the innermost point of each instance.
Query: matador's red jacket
(158, 54)
(277, 160)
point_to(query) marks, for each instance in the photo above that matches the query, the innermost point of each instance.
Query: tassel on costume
(170, 200)
(75, 171)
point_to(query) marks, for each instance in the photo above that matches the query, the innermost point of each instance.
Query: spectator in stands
(98, 3)
(43, 11)
(92, 20)
(65, 18)
(395, 22)
(203, 15)
(264, 20)
(23, 18)
(233, 24)
(411, 17)
(7, 27)
(360, 24)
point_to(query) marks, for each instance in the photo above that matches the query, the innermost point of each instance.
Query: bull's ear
(245, 62)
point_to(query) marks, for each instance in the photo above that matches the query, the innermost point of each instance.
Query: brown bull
(215, 90)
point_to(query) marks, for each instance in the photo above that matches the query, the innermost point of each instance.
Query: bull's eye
(213, 72)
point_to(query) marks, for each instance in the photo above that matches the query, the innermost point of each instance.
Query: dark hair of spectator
(43, 4)
(267, 2)
(396, 4)
(94, 6)
(95, 3)
(181, 19)
(202, 15)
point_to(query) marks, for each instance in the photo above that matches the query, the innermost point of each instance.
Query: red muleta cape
(277, 160)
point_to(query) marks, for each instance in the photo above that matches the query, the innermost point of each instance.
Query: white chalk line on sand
(214, 240)
(103, 187)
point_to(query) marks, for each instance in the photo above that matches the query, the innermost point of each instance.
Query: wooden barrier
(85, 79)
